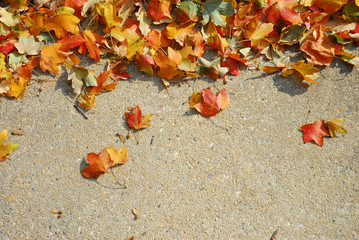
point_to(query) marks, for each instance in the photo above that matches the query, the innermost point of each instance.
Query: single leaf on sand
(138, 121)
(315, 132)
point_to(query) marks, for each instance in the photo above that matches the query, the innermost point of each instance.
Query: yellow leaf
(134, 39)
(118, 157)
(335, 125)
(261, 31)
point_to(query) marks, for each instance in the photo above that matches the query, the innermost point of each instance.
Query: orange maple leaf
(159, 10)
(108, 158)
(168, 65)
(51, 57)
(91, 38)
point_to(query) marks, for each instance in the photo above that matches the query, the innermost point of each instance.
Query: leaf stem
(123, 185)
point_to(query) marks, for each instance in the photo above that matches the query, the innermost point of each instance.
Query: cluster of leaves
(238, 31)
(110, 157)
(318, 130)
(5, 149)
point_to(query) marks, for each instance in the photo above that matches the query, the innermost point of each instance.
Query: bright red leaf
(315, 132)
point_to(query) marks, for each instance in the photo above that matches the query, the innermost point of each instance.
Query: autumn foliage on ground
(168, 38)
(46, 34)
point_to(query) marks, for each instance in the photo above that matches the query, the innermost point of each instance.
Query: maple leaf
(135, 119)
(17, 88)
(77, 5)
(5, 149)
(108, 158)
(214, 10)
(279, 10)
(78, 75)
(8, 18)
(96, 90)
(28, 45)
(70, 41)
(211, 104)
(51, 57)
(159, 10)
(315, 132)
(109, 15)
(133, 36)
(335, 124)
(168, 65)
(144, 63)
(211, 69)
(87, 101)
(187, 11)
(179, 32)
(145, 21)
(318, 48)
(63, 22)
(216, 41)
(91, 38)
(330, 6)
(306, 70)
(118, 70)
(260, 32)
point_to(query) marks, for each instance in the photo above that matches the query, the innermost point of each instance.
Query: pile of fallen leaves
(51, 34)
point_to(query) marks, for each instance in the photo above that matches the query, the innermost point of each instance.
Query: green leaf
(217, 11)
(17, 59)
(211, 69)
(79, 75)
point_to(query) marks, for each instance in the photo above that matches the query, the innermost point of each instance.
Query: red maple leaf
(315, 132)
(135, 119)
(212, 104)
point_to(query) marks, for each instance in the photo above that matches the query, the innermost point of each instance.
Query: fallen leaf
(135, 119)
(96, 90)
(78, 75)
(51, 57)
(306, 70)
(195, 98)
(335, 124)
(159, 10)
(87, 101)
(315, 132)
(216, 11)
(168, 64)
(211, 69)
(212, 104)
(8, 18)
(108, 158)
(5, 149)
(28, 45)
